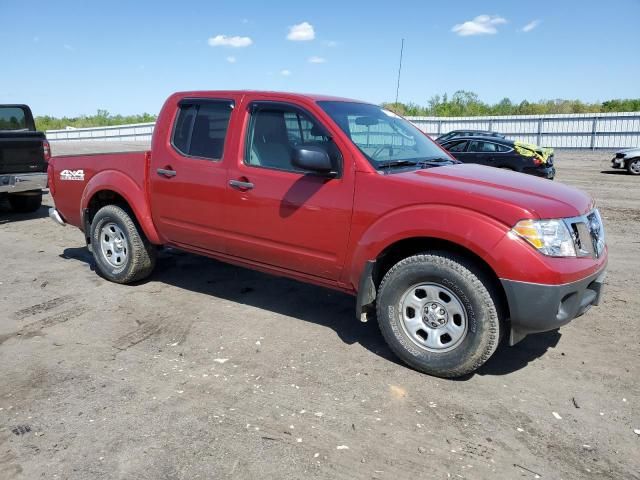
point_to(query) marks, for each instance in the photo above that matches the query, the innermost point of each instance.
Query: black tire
(139, 257)
(25, 203)
(633, 166)
(483, 330)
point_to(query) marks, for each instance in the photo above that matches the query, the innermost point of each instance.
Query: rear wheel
(437, 314)
(633, 166)
(25, 202)
(121, 251)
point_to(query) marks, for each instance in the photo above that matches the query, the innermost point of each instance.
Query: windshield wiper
(422, 163)
(397, 163)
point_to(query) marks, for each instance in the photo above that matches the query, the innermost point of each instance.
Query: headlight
(551, 237)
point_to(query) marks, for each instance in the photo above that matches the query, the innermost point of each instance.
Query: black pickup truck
(24, 156)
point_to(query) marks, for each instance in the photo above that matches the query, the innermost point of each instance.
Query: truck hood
(502, 194)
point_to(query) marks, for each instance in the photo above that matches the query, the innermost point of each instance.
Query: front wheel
(437, 315)
(121, 251)
(633, 166)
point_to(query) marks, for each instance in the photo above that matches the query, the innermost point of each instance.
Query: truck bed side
(75, 179)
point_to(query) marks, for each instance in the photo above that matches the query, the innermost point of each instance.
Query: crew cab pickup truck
(449, 257)
(24, 154)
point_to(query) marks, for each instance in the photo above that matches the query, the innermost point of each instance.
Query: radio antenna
(399, 70)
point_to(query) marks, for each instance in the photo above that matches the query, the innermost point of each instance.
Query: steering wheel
(381, 149)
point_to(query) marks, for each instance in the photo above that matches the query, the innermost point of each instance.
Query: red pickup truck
(451, 258)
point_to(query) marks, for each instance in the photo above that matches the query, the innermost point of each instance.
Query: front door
(188, 179)
(279, 215)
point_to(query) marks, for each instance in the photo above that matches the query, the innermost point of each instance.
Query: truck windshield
(12, 118)
(384, 138)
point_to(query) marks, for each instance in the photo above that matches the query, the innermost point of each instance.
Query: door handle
(240, 185)
(166, 172)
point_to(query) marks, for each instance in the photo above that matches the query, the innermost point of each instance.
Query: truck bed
(71, 174)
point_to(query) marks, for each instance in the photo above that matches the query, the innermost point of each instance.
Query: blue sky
(68, 57)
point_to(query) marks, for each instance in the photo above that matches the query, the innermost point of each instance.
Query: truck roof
(308, 96)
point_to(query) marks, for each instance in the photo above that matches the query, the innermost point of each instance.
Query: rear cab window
(14, 118)
(200, 128)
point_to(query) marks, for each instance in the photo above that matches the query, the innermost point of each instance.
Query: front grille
(588, 234)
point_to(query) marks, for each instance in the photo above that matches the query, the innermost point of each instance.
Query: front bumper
(617, 162)
(22, 182)
(538, 307)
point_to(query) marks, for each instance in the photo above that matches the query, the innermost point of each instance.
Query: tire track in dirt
(174, 331)
(34, 329)
(41, 307)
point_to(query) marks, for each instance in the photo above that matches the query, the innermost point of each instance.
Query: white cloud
(225, 41)
(232, 59)
(285, 72)
(531, 25)
(301, 32)
(481, 25)
(317, 60)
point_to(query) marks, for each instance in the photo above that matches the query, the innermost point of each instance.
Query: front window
(276, 130)
(383, 137)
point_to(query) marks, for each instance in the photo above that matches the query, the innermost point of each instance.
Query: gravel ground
(212, 371)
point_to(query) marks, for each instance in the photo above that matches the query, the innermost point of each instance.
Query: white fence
(133, 132)
(592, 131)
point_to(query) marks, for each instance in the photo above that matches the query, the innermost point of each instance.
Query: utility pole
(399, 70)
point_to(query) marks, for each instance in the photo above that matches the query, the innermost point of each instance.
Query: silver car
(629, 159)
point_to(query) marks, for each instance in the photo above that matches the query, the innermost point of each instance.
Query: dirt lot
(212, 371)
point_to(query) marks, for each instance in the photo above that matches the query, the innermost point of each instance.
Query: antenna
(399, 70)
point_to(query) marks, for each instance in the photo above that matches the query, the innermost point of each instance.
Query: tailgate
(21, 152)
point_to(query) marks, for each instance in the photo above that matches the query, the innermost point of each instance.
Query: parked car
(628, 159)
(24, 154)
(503, 153)
(467, 133)
(348, 196)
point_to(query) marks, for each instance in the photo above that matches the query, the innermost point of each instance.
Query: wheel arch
(467, 234)
(115, 188)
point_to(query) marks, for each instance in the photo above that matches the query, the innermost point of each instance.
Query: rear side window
(458, 146)
(12, 118)
(201, 127)
(503, 148)
(489, 147)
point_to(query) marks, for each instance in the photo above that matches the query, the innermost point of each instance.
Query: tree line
(467, 104)
(102, 118)
(461, 104)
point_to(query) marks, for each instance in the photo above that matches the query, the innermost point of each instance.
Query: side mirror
(314, 159)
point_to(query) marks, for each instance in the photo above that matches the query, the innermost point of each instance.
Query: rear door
(188, 177)
(479, 152)
(279, 215)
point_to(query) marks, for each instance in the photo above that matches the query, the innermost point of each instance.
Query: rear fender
(133, 193)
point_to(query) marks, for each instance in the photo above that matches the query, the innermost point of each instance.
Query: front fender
(133, 193)
(469, 229)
